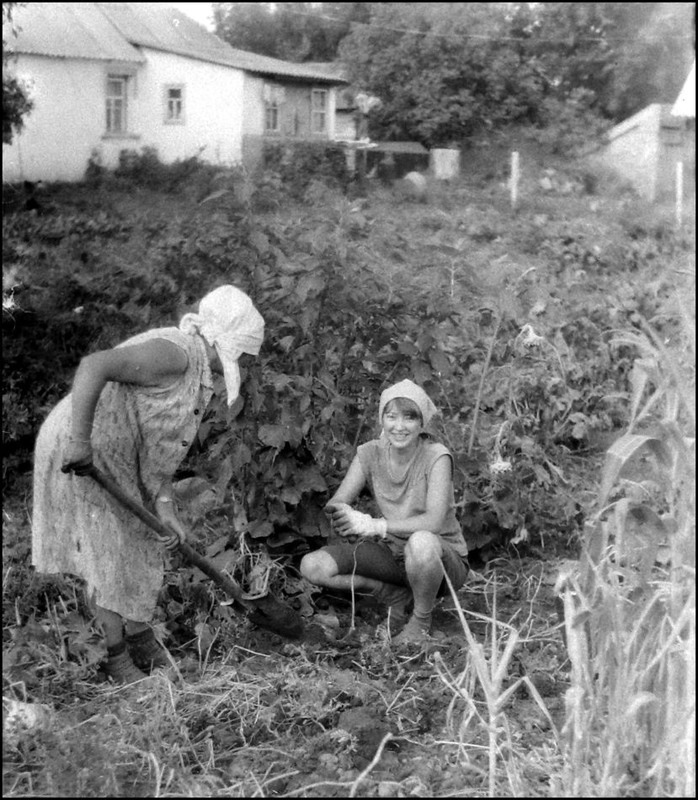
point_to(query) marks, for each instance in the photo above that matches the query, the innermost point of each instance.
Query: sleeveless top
(140, 436)
(405, 495)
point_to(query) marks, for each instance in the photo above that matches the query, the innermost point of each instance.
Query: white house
(685, 105)
(645, 148)
(107, 77)
(346, 121)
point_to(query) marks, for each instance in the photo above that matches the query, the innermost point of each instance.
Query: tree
(442, 70)
(623, 55)
(290, 31)
(446, 70)
(15, 101)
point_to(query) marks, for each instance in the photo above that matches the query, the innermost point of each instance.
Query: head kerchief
(228, 321)
(412, 392)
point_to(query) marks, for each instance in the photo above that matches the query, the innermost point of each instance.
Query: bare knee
(423, 547)
(318, 567)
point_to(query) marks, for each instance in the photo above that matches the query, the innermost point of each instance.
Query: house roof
(68, 30)
(685, 105)
(345, 97)
(117, 31)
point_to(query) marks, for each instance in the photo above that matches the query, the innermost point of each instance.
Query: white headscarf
(412, 392)
(228, 321)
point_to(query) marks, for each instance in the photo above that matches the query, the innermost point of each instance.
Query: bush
(299, 163)
(569, 126)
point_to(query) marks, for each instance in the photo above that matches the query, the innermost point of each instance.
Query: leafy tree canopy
(290, 31)
(626, 54)
(444, 70)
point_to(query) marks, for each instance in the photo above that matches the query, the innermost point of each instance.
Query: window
(318, 111)
(174, 104)
(116, 103)
(274, 96)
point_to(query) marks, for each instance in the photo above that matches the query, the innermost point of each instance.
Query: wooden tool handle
(112, 487)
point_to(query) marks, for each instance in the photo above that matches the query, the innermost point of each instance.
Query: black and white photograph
(348, 400)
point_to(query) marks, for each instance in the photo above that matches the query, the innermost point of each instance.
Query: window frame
(181, 118)
(110, 105)
(274, 95)
(322, 113)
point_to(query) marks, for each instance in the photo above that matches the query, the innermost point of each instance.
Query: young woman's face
(401, 426)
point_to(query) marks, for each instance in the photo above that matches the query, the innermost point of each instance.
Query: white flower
(528, 337)
(499, 465)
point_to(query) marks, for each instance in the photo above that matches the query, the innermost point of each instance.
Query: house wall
(677, 143)
(345, 126)
(68, 120)
(213, 109)
(633, 150)
(294, 115)
(66, 123)
(645, 148)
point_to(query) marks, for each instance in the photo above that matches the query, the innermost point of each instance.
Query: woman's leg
(321, 569)
(423, 565)
(364, 568)
(119, 666)
(112, 626)
(423, 553)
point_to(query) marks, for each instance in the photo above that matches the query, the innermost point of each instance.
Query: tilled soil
(401, 716)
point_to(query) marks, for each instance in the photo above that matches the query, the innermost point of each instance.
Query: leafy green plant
(299, 163)
(630, 611)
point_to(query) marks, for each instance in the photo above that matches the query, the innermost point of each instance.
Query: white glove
(351, 522)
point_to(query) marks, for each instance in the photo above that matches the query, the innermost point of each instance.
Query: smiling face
(402, 424)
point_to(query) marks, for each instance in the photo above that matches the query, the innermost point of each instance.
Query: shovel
(267, 612)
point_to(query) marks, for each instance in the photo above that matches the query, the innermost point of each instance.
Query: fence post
(514, 181)
(679, 193)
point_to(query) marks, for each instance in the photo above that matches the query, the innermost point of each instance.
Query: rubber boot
(120, 667)
(145, 650)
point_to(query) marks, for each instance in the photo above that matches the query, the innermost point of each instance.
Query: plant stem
(482, 383)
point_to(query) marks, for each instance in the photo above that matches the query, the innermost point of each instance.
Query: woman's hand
(349, 522)
(78, 457)
(164, 508)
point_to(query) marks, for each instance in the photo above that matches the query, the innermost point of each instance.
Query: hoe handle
(112, 487)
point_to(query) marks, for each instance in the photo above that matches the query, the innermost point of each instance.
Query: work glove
(78, 457)
(349, 522)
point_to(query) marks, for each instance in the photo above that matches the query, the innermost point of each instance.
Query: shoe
(120, 667)
(412, 634)
(397, 599)
(147, 653)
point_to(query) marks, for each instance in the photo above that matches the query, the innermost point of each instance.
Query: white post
(514, 181)
(679, 192)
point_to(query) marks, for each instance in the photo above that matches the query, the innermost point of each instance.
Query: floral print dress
(140, 436)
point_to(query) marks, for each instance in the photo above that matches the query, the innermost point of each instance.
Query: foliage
(16, 103)
(297, 164)
(529, 332)
(630, 611)
(434, 89)
(625, 56)
(568, 127)
(446, 71)
(290, 31)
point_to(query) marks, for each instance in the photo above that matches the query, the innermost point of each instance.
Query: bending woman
(133, 411)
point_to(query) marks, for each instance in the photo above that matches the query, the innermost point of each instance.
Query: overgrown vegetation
(543, 336)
